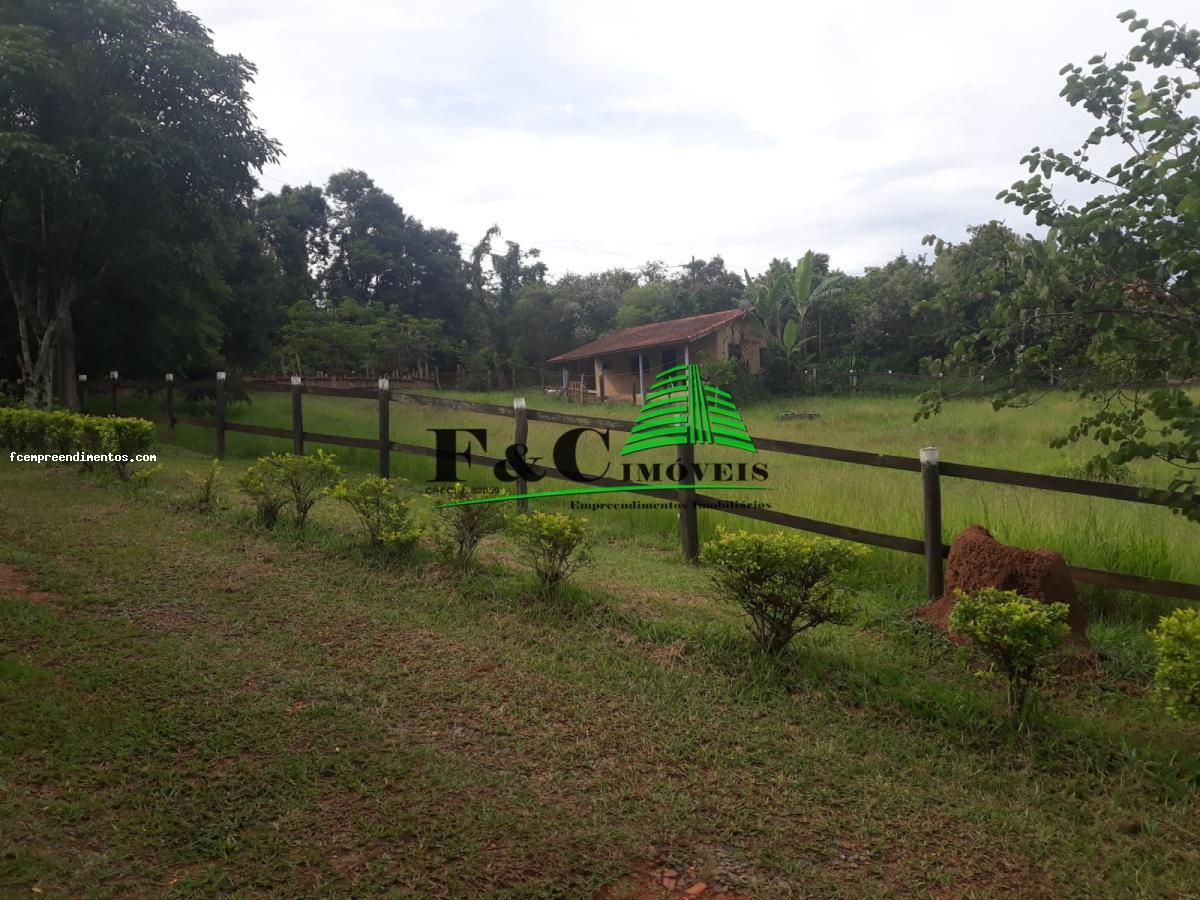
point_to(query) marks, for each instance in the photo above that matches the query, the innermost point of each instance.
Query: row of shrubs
(785, 582)
(64, 433)
(393, 522)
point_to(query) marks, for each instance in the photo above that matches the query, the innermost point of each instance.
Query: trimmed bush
(385, 516)
(63, 432)
(785, 582)
(1019, 635)
(1177, 678)
(465, 526)
(554, 545)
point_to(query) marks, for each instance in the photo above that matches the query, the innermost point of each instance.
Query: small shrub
(261, 483)
(305, 478)
(25, 430)
(1177, 678)
(554, 545)
(785, 582)
(465, 526)
(1017, 634)
(385, 516)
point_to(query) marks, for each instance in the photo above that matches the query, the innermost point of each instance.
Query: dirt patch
(15, 582)
(659, 881)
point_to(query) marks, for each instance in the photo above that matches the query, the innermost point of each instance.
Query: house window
(735, 351)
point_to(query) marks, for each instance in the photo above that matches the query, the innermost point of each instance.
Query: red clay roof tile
(656, 334)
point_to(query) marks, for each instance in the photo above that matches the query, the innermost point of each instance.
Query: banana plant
(804, 299)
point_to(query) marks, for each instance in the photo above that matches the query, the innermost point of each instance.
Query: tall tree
(120, 124)
(295, 224)
(1111, 295)
(379, 255)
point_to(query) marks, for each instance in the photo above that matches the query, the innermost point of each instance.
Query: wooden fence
(927, 465)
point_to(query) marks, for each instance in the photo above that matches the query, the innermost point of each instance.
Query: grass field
(194, 707)
(1106, 534)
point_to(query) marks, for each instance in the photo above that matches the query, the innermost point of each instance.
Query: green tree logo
(681, 409)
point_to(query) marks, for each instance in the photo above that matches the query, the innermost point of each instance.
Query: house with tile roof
(621, 366)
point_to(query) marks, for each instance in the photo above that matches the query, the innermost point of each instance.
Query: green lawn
(1105, 534)
(194, 707)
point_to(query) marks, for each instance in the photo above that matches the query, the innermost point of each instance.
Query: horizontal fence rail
(932, 546)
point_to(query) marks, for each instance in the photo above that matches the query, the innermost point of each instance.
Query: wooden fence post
(297, 416)
(689, 527)
(83, 393)
(521, 437)
(220, 415)
(385, 429)
(170, 398)
(114, 378)
(931, 488)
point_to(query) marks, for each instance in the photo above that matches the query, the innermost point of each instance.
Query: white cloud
(608, 134)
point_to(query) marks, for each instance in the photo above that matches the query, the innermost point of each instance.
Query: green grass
(1107, 534)
(194, 707)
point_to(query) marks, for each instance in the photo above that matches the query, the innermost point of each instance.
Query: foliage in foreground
(385, 516)
(1018, 634)
(62, 432)
(1108, 303)
(463, 527)
(1177, 678)
(554, 545)
(785, 582)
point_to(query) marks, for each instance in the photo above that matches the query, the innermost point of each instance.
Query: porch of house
(620, 377)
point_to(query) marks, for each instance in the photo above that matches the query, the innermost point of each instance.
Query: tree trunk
(64, 370)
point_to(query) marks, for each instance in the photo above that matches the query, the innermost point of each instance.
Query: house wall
(715, 347)
(620, 371)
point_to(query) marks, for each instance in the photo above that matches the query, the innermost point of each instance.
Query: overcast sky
(615, 132)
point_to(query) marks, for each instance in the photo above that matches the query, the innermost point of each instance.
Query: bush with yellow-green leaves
(787, 583)
(280, 479)
(467, 515)
(387, 517)
(554, 545)
(60, 432)
(1018, 634)
(1177, 678)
